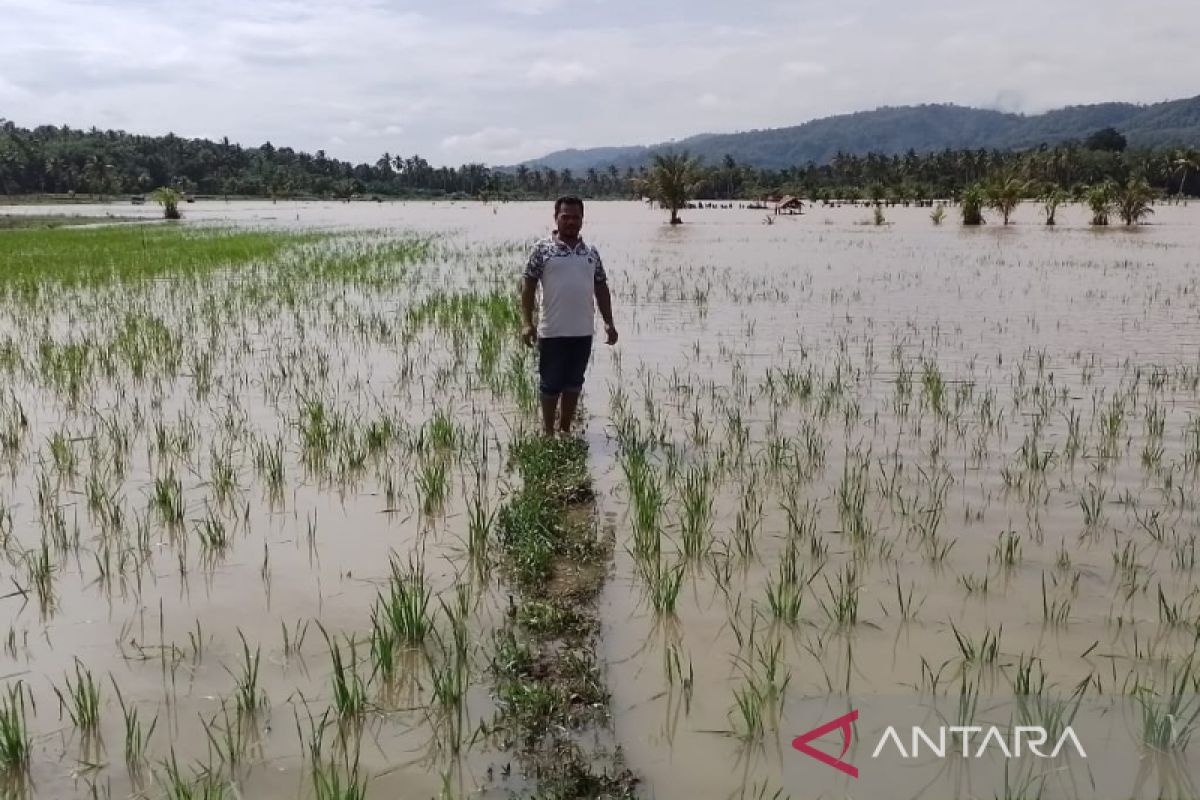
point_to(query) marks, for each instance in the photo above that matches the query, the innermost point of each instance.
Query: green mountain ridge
(892, 130)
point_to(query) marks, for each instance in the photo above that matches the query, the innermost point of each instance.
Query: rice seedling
(404, 605)
(665, 583)
(137, 736)
(433, 484)
(349, 690)
(16, 744)
(82, 699)
(842, 607)
(248, 696)
(1092, 504)
(985, 651)
(696, 519)
(1008, 549)
(167, 499)
(202, 784)
(748, 712)
(1169, 719)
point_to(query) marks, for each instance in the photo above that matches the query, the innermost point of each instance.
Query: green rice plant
(1178, 613)
(16, 743)
(904, 601)
(985, 651)
(784, 597)
(82, 700)
(1169, 719)
(269, 464)
(214, 538)
(842, 607)
(62, 453)
(222, 476)
(665, 583)
(748, 712)
(137, 737)
(748, 521)
(1183, 553)
(404, 604)
(481, 520)
(1054, 611)
(433, 484)
(1092, 504)
(1008, 549)
(852, 495)
(1151, 523)
(248, 696)
(441, 433)
(167, 499)
(696, 496)
(334, 781)
(202, 784)
(349, 688)
(228, 738)
(975, 584)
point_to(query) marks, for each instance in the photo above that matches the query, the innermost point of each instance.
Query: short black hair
(567, 200)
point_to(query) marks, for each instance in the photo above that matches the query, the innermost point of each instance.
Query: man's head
(568, 216)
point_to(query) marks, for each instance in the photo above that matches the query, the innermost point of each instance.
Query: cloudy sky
(502, 80)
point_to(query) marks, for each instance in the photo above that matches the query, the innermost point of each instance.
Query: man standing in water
(573, 286)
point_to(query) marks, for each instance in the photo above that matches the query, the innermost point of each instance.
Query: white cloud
(499, 144)
(804, 69)
(528, 7)
(708, 100)
(547, 72)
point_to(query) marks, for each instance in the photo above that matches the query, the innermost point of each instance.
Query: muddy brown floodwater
(993, 433)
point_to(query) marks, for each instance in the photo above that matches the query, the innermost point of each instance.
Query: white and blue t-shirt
(568, 277)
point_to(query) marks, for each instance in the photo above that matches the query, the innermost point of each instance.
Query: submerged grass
(97, 256)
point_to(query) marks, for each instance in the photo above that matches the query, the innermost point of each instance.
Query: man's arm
(528, 303)
(604, 299)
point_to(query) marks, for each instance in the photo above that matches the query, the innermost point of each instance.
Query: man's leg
(549, 408)
(570, 401)
(578, 353)
(550, 373)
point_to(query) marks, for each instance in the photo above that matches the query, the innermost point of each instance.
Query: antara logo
(1024, 739)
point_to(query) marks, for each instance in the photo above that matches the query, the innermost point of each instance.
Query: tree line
(61, 160)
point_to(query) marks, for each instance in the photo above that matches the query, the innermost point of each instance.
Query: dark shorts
(562, 361)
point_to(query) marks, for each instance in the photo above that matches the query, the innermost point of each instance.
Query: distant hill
(922, 128)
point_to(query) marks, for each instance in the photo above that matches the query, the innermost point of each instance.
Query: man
(573, 285)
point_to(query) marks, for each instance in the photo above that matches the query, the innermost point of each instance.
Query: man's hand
(529, 336)
(611, 333)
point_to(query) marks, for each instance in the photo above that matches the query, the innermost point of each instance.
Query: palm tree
(1186, 161)
(672, 181)
(1100, 200)
(1052, 198)
(169, 199)
(1132, 201)
(972, 205)
(1004, 194)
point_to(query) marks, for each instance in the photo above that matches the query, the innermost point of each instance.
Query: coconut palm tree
(1132, 201)
(1187, 161)
(169, 199)
(972, 205)
(672, 181)
(1100, 200)
(1005, 193)
(1052, 198)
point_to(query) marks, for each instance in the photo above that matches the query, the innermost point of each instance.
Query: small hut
(789, 205)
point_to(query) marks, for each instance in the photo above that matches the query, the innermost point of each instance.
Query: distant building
(789, 205)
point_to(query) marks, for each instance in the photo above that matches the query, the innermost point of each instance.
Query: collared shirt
(568, 277)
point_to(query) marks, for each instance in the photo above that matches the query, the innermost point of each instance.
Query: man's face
(569, 220)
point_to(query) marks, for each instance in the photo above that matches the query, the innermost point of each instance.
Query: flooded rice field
(256, 475)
